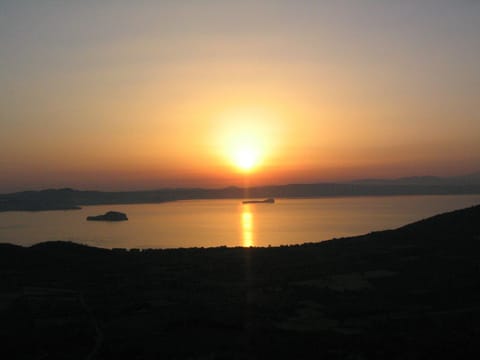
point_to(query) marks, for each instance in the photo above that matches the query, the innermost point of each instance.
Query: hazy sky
(148, 94)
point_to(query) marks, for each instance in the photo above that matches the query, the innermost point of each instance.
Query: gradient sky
(150, 94)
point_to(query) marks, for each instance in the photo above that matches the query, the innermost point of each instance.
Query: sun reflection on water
(247, 226)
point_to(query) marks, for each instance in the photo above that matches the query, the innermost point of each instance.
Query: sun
(244, 139)
(246, 158)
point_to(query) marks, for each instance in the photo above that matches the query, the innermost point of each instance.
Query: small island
(109, 216)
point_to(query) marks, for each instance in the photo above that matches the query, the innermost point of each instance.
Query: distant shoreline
(69, 199)
(15, 203)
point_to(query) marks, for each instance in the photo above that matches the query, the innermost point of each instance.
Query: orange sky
(134, 96)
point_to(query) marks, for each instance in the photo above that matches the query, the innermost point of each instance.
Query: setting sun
(246, 158)
(246, 137)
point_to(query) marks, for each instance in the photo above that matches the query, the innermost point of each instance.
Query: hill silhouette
(469, 179)
(409, 293)
(64, 199)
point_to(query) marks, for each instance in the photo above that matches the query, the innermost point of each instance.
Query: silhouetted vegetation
(410, 293)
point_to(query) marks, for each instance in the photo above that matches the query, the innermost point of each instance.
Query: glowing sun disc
(245, 159)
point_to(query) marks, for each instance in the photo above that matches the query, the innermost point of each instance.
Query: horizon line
(355, 180)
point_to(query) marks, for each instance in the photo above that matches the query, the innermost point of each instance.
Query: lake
(206, 223)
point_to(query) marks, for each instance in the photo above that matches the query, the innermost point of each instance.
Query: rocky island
(109, 216)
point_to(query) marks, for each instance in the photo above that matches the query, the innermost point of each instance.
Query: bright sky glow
(117, 95)
(246, 158)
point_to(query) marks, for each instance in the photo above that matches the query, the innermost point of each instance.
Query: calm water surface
(226, 222)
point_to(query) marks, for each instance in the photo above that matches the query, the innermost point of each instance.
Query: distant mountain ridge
(67, 198)
(469, 179)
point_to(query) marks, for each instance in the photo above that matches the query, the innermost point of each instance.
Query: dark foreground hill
(410, 293)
